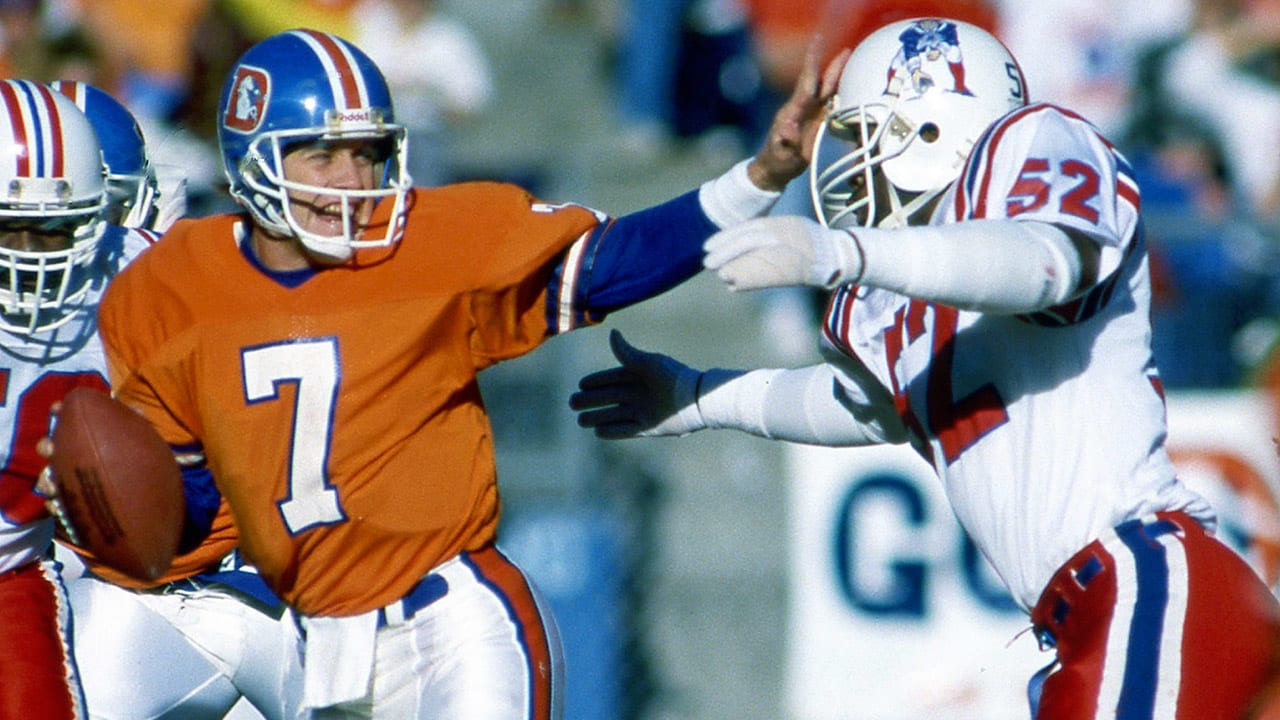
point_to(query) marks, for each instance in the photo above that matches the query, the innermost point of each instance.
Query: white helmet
(913, 99)
(52, 182)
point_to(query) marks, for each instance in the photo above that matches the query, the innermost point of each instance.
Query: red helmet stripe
(74, 90)
(348, 90)
(18, 119)
(56, 152)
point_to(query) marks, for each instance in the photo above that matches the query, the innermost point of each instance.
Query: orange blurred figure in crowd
(784, 28)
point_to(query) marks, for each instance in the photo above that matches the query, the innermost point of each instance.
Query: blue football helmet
(54, 182)
(299, 87)
(132, 187)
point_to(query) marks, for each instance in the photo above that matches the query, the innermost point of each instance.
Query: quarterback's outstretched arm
(643, 254)
(651, 395)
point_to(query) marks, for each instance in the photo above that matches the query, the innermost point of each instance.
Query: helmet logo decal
(249, 92)
(929, 57)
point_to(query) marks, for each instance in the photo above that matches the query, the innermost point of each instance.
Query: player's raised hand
(647, 395)
(788, 148)
(783, 251)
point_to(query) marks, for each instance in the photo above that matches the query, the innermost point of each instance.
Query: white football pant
(181, 655)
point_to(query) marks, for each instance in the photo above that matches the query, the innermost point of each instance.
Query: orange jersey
(341, 417)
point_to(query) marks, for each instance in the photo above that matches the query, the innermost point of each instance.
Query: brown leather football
(118, 484)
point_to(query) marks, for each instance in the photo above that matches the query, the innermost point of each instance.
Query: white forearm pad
(798, 405)
(733, 198)
(994, 266)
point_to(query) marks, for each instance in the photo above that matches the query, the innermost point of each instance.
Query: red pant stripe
(37, 674)
(510, 584)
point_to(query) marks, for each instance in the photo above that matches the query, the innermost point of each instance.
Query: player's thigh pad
(486, 650)
(257, 651)
(135, 663)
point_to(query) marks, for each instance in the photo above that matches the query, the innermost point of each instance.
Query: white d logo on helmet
(248, 99)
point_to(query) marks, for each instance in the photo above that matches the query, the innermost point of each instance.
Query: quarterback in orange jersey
(316, 357)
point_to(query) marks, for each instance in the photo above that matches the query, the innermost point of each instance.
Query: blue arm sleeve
(638, 256)
(202, 498)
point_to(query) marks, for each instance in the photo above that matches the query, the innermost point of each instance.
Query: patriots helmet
(132, 187)
(912, 100)
(53, 207)
(298, 87)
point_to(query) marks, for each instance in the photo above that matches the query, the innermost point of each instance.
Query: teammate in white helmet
(991, 309)
(56, 256)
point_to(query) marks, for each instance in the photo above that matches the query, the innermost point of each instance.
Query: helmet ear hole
(929, 132)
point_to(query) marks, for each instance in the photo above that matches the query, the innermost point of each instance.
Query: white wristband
(685, 395)
(733, 198)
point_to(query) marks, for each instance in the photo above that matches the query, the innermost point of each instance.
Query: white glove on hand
(649, 395)
(783, 251)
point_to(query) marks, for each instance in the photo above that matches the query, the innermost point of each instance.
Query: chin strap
(900, 214)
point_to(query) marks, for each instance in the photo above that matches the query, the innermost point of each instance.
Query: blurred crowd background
(667, 559)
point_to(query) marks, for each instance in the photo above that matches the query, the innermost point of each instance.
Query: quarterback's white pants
(483, 650)
(185, 655)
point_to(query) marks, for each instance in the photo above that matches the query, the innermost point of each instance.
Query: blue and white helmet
(52, 181)
(131, 179)
(301, 86)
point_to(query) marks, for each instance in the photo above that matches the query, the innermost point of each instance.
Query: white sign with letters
(894, 615)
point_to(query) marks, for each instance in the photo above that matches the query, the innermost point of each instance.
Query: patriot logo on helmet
(930, 55)
(249, 91)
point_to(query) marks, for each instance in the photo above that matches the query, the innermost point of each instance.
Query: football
(118, 485)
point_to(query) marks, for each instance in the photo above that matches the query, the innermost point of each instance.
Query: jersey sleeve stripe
(1088, 305)
(971, 202)
(564, 311)
(970, 175)
(628, 259)
(1126, 185)
(837, 325)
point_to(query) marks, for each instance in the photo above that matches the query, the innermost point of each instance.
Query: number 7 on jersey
(312, 367)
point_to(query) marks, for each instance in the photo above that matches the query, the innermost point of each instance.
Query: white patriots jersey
(35, 372)
(1045, 429)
